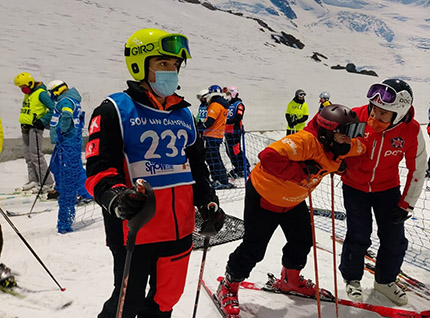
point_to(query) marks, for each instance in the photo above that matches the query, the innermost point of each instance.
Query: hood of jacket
(72, 93)
(220, 100)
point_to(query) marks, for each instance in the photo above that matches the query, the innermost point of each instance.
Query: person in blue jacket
(66, 163)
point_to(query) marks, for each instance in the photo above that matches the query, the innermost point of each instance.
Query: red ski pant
(164, 264)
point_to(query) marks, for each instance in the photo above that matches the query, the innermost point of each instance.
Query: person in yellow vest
(36, 113)
(297, 113)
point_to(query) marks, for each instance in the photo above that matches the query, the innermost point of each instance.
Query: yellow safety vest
(297, 111)
(32, 105)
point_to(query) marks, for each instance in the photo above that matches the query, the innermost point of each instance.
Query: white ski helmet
(202, 93)
(56, 87)
(393, 95)
(325, 96)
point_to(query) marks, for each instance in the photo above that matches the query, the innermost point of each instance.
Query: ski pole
(134, 225)
(48, 170)
(314, 246)
(334, 244)
(244, 159)
(30, 248)
(207, 232)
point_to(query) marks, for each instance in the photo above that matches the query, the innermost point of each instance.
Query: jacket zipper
(377, 159)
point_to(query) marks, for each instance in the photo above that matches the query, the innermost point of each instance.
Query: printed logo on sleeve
(92, 148)
(95, 125)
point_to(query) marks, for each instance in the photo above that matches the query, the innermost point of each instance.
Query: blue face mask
(166, 83)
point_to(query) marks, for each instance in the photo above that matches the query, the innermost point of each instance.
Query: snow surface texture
(82, 264)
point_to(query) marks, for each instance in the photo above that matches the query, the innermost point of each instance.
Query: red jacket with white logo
(378, 169)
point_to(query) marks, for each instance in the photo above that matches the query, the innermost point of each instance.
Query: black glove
(342, 168)
(124, 203)
(400, 215)
(213, 219)
(38, 124)
(312, 167)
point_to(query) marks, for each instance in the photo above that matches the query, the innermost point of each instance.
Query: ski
(403, 286)
(416, 285)
(10, 291)
(4, 197)
(380, 310)
(408, 279)
(16, 192)
(338, 215)
(15, 213)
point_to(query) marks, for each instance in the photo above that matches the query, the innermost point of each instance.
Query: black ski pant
(393, 244)
(145, 264)
(260, 224)
(236, 154)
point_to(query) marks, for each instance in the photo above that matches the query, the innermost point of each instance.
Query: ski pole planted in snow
(334, 244)
(134, 225)
(30, 248)
(314, 243)
(48, 170)
(208, 230)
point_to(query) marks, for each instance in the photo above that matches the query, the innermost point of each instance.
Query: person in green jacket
(36, 113)
(297, 112)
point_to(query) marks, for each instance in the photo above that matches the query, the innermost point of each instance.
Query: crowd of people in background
(58, 109)
(219, 118)
(337, 139)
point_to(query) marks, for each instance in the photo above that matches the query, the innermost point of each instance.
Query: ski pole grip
(140, 186)
(147, 212)
(208, 227)
(212, 206)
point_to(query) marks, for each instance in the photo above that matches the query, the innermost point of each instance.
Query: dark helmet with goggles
(338, 118)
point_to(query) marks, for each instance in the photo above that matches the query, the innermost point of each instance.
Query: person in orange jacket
(213, 134)
(275, 196)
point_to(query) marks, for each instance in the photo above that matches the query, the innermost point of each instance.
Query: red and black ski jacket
(107, 168)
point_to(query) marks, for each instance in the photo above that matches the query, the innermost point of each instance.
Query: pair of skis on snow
(325, 296)
(408, 283)
(404, 281)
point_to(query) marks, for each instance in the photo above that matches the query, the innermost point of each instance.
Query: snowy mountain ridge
(357, 16)
(82, 44)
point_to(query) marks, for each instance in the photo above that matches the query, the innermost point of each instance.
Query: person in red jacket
(372, 182)
(275, 196)
(149, 132)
